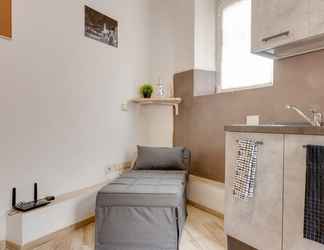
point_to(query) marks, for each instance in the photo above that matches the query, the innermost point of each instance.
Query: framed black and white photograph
(101, 27)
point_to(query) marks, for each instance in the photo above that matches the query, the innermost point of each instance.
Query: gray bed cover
(142, 210)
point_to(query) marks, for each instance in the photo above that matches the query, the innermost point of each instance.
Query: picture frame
(101, 27)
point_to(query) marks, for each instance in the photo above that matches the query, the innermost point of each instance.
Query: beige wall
(200, 125)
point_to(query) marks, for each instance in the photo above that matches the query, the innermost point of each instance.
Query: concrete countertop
(297, 129)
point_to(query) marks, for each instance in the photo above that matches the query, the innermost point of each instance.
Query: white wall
(172, 46)
(61, 122)
(205, 34)
(172, 37)
(182, 38)
(70, 208)
(208, 193)
(3, 229)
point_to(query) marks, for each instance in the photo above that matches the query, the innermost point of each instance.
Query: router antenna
(35, 192)
(14, 197)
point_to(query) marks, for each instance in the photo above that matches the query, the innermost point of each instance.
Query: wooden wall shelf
(170, 101)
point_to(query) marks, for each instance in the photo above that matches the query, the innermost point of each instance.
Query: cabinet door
(316, 17)
(294, 201)
(278, 22)
(257, 222)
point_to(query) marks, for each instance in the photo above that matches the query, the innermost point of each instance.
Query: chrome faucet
(316, 121)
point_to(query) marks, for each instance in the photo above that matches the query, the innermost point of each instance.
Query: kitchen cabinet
(284, 28)
(294, 194)
(278, 22)
(274, 218)
(257, 222)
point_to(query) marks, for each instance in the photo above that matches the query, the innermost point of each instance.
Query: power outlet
(109, 169)
(253, 120)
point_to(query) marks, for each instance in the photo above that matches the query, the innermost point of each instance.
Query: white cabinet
(294, 194)
(284, 28)
(278, 22)
(257, 222)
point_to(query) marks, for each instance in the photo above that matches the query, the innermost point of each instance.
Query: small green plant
(146, 90)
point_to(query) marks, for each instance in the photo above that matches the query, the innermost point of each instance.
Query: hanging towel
(245, 169)
(314, 194)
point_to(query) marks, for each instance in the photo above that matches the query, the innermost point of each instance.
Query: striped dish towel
(245, 169)
(314, 194)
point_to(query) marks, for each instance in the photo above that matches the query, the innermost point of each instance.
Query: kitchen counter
(296, 129)
(278, 205)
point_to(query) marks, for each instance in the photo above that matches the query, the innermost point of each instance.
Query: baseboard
(122, 167)
(70, 208)
(206, 209)
(2, 245)
(52, 236)
(12, 246)
(234, 244)
(200, 191)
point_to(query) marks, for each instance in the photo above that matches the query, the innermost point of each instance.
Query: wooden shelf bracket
(170, 101)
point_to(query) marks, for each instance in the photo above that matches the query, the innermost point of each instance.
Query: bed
(144, 209)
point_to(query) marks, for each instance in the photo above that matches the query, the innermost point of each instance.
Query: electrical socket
(109, 169)
(253, 120)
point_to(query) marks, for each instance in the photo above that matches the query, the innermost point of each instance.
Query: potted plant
(146, 90)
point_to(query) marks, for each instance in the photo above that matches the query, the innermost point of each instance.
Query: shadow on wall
(200, 125)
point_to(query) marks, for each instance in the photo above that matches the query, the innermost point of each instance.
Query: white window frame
(220, 6)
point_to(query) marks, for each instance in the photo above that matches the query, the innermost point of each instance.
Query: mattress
(142, 210)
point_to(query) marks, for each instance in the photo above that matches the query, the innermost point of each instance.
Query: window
(238, 67)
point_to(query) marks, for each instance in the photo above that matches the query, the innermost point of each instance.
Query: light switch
(124, 106)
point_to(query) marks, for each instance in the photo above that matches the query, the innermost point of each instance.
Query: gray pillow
(154, 158)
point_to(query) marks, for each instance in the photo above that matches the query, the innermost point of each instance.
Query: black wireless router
(31, 205)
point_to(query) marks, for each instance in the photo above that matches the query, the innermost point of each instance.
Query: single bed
(142, 210)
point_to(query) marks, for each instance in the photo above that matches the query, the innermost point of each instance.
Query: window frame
(220, 6)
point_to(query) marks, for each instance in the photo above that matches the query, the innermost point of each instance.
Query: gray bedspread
(142, 210)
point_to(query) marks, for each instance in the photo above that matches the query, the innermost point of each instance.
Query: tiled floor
(203, 231)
